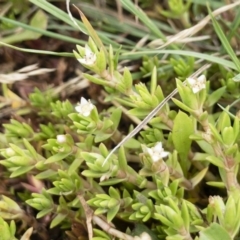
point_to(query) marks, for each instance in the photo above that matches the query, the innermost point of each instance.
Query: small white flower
(197, 84)
(157, 152)
(10, 152)
(85, 107)
(61, 138)
(89, 57)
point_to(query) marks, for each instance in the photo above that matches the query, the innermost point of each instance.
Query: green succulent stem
(107, 76)
(229, 163)
(177, 175)
(186, 235)
(166, 120)
(132, 177)
(117, 136)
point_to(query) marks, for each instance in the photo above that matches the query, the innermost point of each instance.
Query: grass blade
(224, 41)
(62, 54)
(127, 4)
(207, 57)
(42, 31)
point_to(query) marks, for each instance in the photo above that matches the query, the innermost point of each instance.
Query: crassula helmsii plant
(146, 187)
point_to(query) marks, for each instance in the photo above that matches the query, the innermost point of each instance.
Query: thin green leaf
(41, 32)
(224, 41)
(62, 54)
(210, 58)
(127, 4)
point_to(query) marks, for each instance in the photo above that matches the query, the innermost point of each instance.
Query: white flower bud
(61, 138)
(10, 152)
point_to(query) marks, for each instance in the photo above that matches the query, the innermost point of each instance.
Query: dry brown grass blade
(193, 30)
(158, 42)
(23, 73)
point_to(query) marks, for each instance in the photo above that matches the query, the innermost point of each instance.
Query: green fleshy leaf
(57, 157)
(232, 150)
(114, 193)
(236, 78)
(91, 174)
(189, 98)
(96, 80)
(224, 120)
(215, 96)
(198, 178)
(163, 219)
(101, 61)
(185, 215)
(100, 211)
(46, 174)
(217, 184)
(38, 21)
(58, 219)
(215, 133)
(214, 232)
(102, 235)
(102, 136)
(127, 79)
(44, 212)
(5, 230)
(122, 160)
(54, 191)
(153, 85)
(228, 136)
(182, 105)
(116, 117)
(111, 181)
(21, 170)
(206, 147)
(132, 144)
(138, 112)
(30, 149)
(215, 161)
(112, 212)
(183, 127)
(236, 127)
(75, 165)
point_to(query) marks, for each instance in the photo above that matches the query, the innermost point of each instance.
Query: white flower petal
(85, 107)
(195, 89)
(86, 113)
(202, 86)
(197, 84)
(78, 109)
(82, 61)
(89, 57)
(61, 138)
(157, 152)
(191, 81)
(202, 79)
(155, 157)
(164, 154)
(10, 152)
(88, 51)
(83, 101)
(158, 147)
(149, 151)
